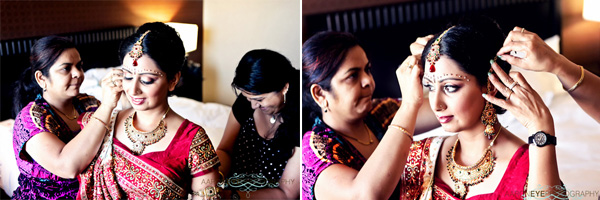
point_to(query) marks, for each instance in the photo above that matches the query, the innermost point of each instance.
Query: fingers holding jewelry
(112, 87)
(409, 78)
(506, 80)
(416, 48)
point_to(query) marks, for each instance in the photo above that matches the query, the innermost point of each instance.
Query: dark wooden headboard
(386, 31)
(98, 49)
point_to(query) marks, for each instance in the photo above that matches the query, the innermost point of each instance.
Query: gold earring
(489, 117)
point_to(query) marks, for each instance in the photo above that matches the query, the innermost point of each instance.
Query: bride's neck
(150, 118)
(473, 141)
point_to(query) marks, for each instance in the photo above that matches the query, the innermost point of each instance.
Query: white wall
(234, 27)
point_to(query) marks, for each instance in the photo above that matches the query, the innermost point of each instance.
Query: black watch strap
(541, 139)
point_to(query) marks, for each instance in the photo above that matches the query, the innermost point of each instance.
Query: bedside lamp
(591, 10)
(188, 34)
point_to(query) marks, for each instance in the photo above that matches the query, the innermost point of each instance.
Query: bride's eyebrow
(427, 79)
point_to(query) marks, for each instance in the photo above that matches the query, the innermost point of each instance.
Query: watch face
(540, 138)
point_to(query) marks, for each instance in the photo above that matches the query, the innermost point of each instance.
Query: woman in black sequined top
(261, 143)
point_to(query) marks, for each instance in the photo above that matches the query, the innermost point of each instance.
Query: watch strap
(550, 139)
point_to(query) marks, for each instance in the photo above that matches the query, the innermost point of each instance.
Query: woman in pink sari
(151, 152)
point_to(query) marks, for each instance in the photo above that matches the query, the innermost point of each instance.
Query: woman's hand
(409, 77)
(533, 53)
(522, 101)
(112, 87)
(416, 48)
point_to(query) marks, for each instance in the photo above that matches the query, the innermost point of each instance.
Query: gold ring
(511, 86)
(410, 66)
(510, 93)
(522, 29)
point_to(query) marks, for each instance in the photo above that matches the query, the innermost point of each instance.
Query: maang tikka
(434, 52)
(489, 117)
(137, 50)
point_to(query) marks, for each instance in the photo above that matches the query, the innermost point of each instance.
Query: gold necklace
(466, 176)
(70, 118)
(142, 139)
(363, 143)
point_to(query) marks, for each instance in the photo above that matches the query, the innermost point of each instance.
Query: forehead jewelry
(138, 71)
(137, 50)
(434, 53)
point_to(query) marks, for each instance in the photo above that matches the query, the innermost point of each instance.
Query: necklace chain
(359, 141)
(142, 139)
(466, 176)
(68, 117)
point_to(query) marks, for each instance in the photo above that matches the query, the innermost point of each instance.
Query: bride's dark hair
(471, 43)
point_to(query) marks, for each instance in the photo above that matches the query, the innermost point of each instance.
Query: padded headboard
(386, 31)
(98, 49)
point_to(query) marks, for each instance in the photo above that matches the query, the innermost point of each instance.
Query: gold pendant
(460, 189)
(138, 148)
(466, 176)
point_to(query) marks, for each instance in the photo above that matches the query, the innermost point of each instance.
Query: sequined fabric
(253, 154)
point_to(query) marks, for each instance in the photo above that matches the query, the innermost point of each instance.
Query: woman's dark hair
(263, 71)
(44, 53)
(162, 44)
(322, 55)
(471, 43)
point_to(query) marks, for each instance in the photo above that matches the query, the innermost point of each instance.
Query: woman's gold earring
(488, 117)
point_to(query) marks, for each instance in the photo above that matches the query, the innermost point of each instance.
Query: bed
(99, 53)
(386, 31)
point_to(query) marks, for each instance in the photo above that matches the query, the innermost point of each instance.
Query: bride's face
(454, 96)
(145, 85)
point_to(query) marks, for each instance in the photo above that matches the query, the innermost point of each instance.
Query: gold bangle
(209, 192)
(222, 176)
(578, 82)
(105, 126)
(403, 130)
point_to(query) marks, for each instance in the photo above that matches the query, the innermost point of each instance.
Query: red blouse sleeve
(202, 157)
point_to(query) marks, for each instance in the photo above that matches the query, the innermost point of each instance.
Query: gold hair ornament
(137, 50)
(434, 52)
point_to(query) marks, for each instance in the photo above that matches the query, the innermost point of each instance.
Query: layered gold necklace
(142, 139)
(466, 176)
(359, 141)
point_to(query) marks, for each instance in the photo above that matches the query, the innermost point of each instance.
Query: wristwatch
(542, 139)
